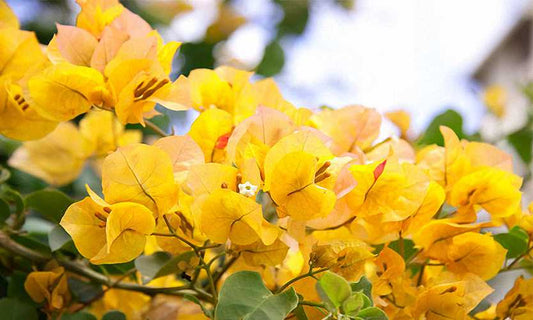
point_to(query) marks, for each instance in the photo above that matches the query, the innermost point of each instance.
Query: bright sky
(413, 54)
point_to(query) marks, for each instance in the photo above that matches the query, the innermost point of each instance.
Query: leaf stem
(155, 128)
(309, 273)
(198, 251)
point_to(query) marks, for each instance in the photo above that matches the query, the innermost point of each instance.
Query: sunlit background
(418, 55)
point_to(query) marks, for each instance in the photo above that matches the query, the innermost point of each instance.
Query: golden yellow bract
(140, 173)
(277, 189)
(108, 233)
(295, 190)
(49, 286)
(57, 158)
(75, 89)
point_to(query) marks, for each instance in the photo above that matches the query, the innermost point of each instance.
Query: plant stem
(198, 252)
(515, 261)
(155, 128)
(37, 257)
(218, 274)
(312, 304)
(310, 273)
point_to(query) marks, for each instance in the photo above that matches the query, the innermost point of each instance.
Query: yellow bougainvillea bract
(256, 184)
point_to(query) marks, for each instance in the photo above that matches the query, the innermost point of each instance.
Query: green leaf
(83, 291)
(299, 312)
(353, 304)
(244, 296)
(57, 238)
(364, 286)
(115, 268)
(333, 289)
(13, 309)
(160, 264)
(273, 60)
(50, 203)
(522, 141)
(515, 241)
(162, 121)
(372, 313)
(449, 118)
(4, 175)
(295, 17)
(208, 312)
(32, 241)
(5, 212)
(14, 197)
(78, 316)
(408, 249)
(15, 288)
(114, 315)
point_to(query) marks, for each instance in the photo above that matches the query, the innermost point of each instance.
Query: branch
(37, 257)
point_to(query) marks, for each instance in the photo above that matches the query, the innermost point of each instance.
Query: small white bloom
(247, 189)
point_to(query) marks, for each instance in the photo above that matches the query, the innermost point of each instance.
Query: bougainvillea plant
(263, 210)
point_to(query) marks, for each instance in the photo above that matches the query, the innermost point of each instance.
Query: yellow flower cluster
(278, 185)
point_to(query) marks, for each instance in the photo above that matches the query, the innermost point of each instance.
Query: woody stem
(37, 257)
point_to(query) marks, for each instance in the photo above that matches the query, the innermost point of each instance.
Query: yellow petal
(7, 16)
(19, 120)
(142, 174)
(207, 130)
(476, 253)
(63, 91)
(57, 158)
(400, 119)
(50, 286)
(85, 222)
(208, 89)
(259, 254)
(183, 152)
(127, 226)
(206, 178)
(20, 52)
(105, 133)
(294, 190)
(349, 127)
(307, 141)
(436, 235)
(173, 96)
(108, 46)
(496, 191)
(96, 15)
(226, 214)
(165, 55)
(495, 98)
(75, 44)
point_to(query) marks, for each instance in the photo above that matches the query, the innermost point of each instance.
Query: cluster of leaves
(263, 210)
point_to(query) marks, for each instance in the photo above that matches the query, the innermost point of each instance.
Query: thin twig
(198, 252)
(310, 273)
(155, 128)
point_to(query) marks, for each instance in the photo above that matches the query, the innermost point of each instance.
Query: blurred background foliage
(290, 20)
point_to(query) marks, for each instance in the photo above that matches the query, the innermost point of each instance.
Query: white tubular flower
(247, 189)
